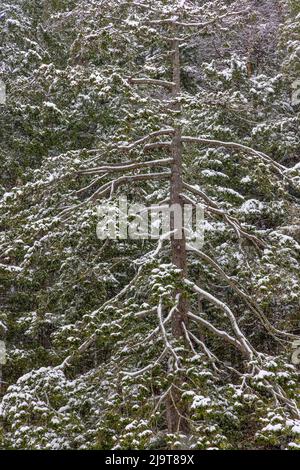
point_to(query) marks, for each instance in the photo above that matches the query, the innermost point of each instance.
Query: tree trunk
(176, 412)
(178, 242)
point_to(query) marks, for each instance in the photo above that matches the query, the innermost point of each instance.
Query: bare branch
(212, 358)
(242, 339)
(164, 335)
(214, 20)
(186, 333)
(247, 298)
(222, 334)
(150, 81)
(145, 139)
(110, 187)
(126, 166)
(156, 145)
(214, 208)
(144, 313)
(165, 321)
(174, 20)
(148, 367)
(95, 181)
(234, 145)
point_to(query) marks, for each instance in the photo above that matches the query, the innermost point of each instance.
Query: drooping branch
(148, 367)
(232, 221)
(150, 81)
(247, 298)
(213, 21)
(164, 335)
(188, 335)
(213, 358)
(274, 389)
(234, 145)
(165, 321)
(248, 350)
(156, 145)
(174, 20)
(111, 186)
(220, 333)
(126, 166)
(144, 139)
(90, 185)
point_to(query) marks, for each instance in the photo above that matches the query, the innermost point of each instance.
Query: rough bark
(176, 412)
(178, 242)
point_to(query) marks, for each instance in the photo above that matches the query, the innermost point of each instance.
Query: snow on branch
(220, 333)
(126, 166)
(189, 336)
(145, 138)
(234, 145)
(164, 335)
(173, 310)
(247, 298)
(110, 187)
(217, 19)
(127, 147)
(148, 367)
(124, 147)
(174, 20)
(150, 81)
(214, 208)
(246, 347)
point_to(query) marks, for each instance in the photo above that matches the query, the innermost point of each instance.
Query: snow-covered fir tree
(134, 344)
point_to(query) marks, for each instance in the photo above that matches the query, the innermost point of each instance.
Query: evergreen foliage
(95, 357)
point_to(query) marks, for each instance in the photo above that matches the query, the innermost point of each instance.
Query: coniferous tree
(138, 345)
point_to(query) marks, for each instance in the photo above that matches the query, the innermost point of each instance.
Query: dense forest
(132, 342)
